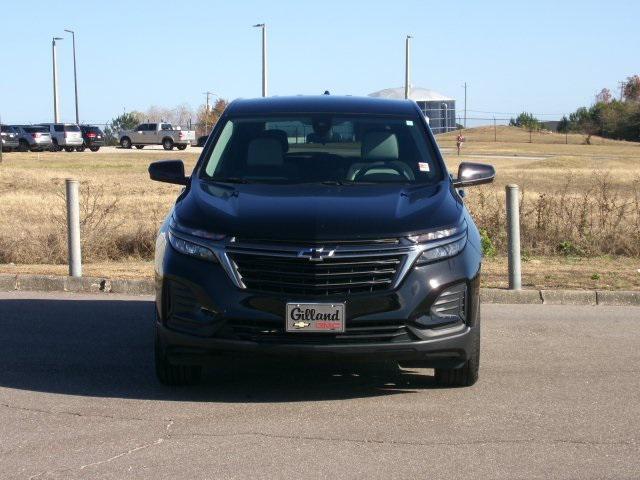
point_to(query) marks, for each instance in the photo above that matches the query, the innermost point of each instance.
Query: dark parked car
(352, 242)
(9, 136)
(93, 138)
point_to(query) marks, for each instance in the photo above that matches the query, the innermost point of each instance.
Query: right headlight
(192, 249)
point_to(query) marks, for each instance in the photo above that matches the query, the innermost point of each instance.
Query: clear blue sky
(539, 56)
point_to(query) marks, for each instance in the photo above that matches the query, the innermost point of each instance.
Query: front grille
(264, 331)
(366, 272)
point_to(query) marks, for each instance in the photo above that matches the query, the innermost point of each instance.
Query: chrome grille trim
(345, 267)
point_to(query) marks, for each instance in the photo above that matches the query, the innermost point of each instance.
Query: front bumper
(205, 309)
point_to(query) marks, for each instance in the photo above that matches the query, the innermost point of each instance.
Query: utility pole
(465, 105)
(206, 113)
(75, 72)
(407, 67)
(264, 57)
(495, 130)
(56, 115)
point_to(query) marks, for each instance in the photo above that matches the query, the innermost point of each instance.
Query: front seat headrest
(379, 146)
(264, 151)
(278, 134)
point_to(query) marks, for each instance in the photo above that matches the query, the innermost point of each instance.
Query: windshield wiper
(230, 180)
(345, 183)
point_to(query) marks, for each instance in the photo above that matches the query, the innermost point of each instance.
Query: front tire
(181, 147)
(94, 149)
(170, 374)
(125, 142)
(139, 147)
(167, 144)
(68, 149)
(80, 148)
(466, 375)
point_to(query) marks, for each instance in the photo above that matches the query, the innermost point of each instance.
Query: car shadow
(104, 348)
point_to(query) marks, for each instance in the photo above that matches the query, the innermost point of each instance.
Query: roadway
(558, 397)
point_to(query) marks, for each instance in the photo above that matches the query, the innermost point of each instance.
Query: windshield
(322, 149)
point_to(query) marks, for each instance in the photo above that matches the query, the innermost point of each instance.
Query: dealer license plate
(315, 317)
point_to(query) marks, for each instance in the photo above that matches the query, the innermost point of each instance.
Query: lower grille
(332, 275)
(262, 331)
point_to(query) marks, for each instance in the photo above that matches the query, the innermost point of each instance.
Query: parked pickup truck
(157, 134)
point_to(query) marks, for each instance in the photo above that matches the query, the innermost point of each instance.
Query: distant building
(438, 108)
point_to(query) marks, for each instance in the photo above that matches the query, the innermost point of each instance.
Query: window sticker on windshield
(409, 123)
(423, 166)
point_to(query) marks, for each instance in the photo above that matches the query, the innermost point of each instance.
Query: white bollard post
(73, 228)
(513, 233)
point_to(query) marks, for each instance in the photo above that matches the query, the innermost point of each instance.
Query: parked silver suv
(65, 135)
(33, 137)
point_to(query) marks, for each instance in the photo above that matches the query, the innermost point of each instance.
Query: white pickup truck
(157, 134)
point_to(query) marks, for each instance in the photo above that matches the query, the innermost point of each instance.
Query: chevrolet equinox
(319, 226)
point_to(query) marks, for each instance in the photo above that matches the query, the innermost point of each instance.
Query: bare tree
(632, 88)
(604, 96)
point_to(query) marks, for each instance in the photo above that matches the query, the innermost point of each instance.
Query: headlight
(442, 252)
(174, 225)
(439, 234)
(441, 244)
(192, 249)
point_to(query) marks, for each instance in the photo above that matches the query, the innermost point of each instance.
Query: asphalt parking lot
(558, 398)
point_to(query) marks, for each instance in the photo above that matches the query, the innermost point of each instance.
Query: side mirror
(168, 171)
(474, 174)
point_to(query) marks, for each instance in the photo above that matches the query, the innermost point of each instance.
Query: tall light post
(56, 114)
(264, 57)
(75, 73)
(407, 78)
(465, 104)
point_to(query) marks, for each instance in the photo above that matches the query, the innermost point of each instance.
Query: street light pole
(56, 115)
(407, 77)
(206, 116)
(264, 57)
(75, 73)
(465, 104)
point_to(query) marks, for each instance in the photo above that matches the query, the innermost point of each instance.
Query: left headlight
(441, 244)
(192, 249)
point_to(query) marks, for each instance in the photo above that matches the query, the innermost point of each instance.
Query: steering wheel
(368, 168)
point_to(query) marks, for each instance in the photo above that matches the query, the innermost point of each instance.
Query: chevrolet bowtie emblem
(315, 254)
(301, 324)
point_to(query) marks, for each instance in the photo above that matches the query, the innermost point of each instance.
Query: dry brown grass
(584, 197)
(120, 207)
(576, 199)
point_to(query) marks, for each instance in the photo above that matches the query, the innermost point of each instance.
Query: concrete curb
(51, 283)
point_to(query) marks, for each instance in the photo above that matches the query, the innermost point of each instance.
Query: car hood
(317, 212)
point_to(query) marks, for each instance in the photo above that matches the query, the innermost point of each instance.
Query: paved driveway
(558, 398)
